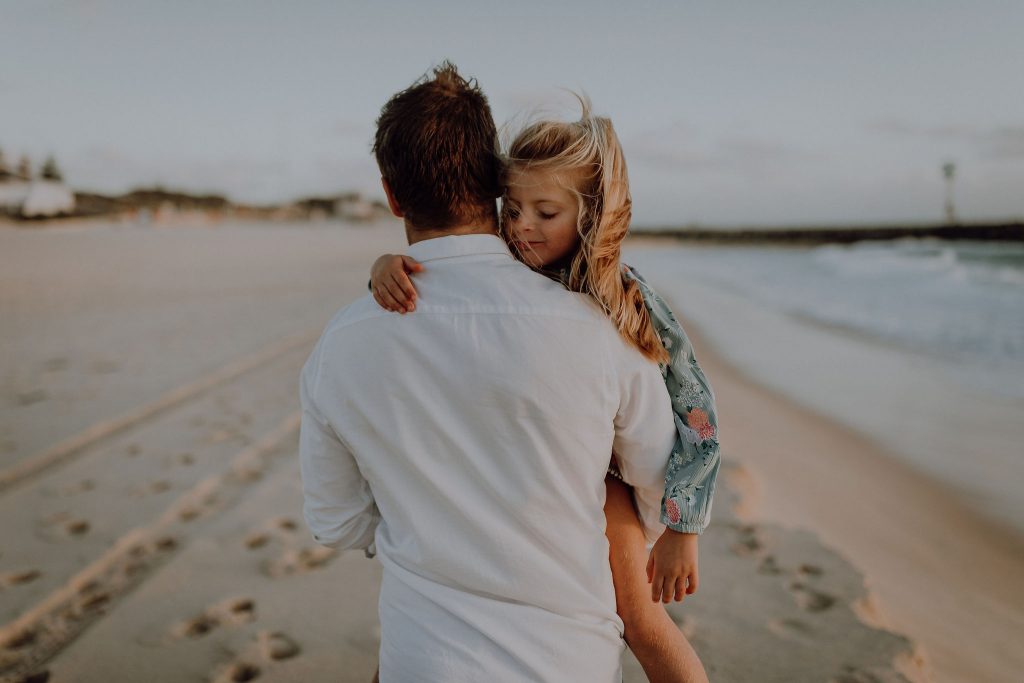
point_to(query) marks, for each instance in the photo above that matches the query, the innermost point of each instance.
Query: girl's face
(540, 218)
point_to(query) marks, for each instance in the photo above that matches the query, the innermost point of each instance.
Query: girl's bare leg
(654, 638)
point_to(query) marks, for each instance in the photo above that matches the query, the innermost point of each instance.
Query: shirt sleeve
(338, 504)
(695, 459)
(644, 434)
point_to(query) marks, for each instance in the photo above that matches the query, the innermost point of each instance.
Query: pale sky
(729, 112)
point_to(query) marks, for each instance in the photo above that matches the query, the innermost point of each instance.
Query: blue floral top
(694, 463)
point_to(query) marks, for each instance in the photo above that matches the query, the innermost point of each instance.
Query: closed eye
(548, 216)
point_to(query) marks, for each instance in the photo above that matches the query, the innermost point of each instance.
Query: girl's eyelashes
(513, 213)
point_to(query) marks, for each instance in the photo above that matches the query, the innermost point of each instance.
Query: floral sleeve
(694, 463)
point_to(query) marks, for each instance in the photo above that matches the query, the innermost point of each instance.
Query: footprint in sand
(238, 672)
(77, 527)
(166, 543)
(810, 570)
(811, 600)
(19, 640)
(748, 542)
(27, 398)
(133, 450)
(791, 629)
(852, 674)
(300, 561)
(93, 602)
(150, 488)
(240, 610)
(271, 646)
(276, 645)
(19, 578)
(62, 525)
(191, 511)
(179, 460)
(197, 626)
(768, 565)
(257, 540)
(263, 535)
(233, 611)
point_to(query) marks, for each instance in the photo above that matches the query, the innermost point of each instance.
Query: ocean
(918, 343)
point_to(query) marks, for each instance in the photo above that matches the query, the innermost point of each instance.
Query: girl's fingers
(656, 587)
(390, 301)
(381, 297)
(650, 567)
(404, 285)
(693, 583)
(669, 589)
(680, 588)
(411, 265)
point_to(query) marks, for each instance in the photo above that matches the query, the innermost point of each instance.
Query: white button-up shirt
(469, 440)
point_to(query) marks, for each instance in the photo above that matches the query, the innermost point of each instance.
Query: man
(468, 441)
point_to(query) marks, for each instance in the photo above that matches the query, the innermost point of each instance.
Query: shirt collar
(457, 245)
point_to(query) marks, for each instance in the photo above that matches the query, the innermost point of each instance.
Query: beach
(151, 503)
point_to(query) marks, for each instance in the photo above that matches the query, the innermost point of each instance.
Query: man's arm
(645, 433)
(339, 506)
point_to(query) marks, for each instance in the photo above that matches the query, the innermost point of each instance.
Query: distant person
(472, 439)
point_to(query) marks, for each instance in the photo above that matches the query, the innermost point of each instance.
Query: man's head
(437, 149)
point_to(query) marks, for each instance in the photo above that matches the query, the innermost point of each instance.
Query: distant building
(34, 198)
(354, 209)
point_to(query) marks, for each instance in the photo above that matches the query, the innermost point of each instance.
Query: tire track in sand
(43, 630)
(67, 449)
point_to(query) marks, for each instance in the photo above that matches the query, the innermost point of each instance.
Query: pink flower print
(673, 511)
(698, 420)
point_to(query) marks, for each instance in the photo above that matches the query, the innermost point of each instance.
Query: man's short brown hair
(437, 147)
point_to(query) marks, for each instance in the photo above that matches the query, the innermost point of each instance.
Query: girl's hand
(390, 283)
(672, 567)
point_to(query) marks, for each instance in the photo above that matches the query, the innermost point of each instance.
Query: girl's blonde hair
(585, 157)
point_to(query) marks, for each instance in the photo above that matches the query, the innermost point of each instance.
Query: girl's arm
(390, 282)
(693, 466)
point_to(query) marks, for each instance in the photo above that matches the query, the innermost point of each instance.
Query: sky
(729, 113)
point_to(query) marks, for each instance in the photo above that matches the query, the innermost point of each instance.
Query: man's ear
(392, 204)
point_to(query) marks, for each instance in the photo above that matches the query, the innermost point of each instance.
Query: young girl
(565, 212)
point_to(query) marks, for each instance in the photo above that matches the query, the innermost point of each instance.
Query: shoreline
(1003, 231)
(934, 569)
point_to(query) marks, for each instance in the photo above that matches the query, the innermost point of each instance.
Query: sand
(151, 506)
